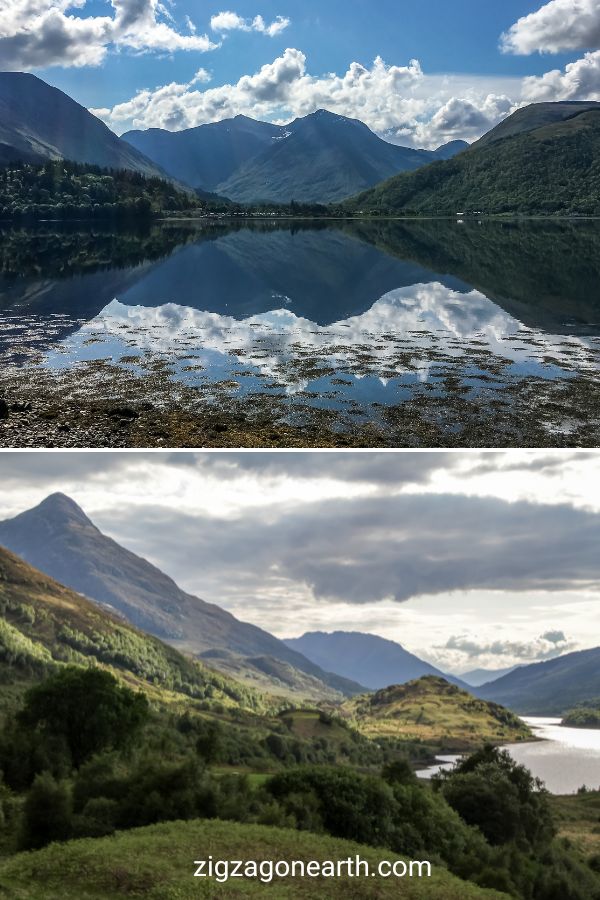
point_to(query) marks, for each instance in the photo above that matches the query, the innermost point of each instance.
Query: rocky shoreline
(98, 406)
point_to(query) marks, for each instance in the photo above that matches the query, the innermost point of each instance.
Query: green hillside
(550, 170)
(432, 710)
(88, 763)
(536, 115)
(158, 863)
(583, 716)
(59, 539)
(69, 190)
(44, 625)
(577, 817)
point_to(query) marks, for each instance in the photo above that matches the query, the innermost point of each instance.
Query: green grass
(578, 819)
(157, 863)
(430, 709)
(308, 724)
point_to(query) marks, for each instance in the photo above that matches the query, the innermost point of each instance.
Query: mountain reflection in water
(341, 308)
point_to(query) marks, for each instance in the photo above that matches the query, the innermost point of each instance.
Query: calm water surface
(565, 759)
(343, 316)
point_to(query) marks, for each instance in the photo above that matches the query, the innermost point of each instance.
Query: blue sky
(456, 36)
(105, 53)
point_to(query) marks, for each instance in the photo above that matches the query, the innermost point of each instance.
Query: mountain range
(319, 158)
(373, 660)
(543, 159)
(60, 540)
(39, 122)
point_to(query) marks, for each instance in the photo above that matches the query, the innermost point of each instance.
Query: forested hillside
(551, 170)
(65, 190)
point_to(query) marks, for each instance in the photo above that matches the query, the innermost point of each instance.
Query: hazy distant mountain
(373, 660)
(59, 539)
(550, 687)
(39, 122)
(445, 151)
(451, 149)
(208, 155)
(478, 677)
(542, 160)
(322, 157)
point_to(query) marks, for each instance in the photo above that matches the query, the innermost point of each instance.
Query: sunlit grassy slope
(158, 863)
(44, 625)
(430, 709)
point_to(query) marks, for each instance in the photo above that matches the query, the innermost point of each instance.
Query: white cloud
(41, 33)
(580, 80)
(464, 118)
(231, 21)
(415, 109)
(557, 26)
(464, 651)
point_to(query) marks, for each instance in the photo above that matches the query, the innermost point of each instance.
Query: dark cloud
(551, 463)
(378, 468)
(368, 549)
(371, 467)
(21, 470)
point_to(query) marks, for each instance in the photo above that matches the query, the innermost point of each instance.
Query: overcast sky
(467, 558)
(428, 71)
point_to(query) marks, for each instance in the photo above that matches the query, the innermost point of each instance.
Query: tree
(46, 813)
(490, 790)
(87, 708)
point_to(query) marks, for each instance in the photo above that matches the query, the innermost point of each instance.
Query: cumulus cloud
(231, 21)
(579, 80)
(41, 33)
(546, 646)
(465, 118)
(557, 26)
(394, 99)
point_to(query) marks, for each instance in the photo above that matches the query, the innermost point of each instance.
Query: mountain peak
(60, 505)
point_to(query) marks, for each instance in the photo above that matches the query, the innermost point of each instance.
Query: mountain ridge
(222, 146)
(45, 625)
(550, 687)
(311, 159)
(40, 122)
(59, 539)
(540, 169)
